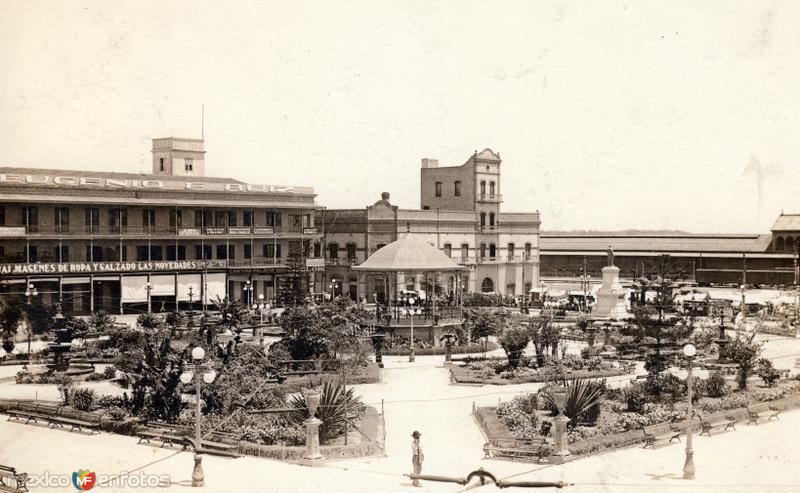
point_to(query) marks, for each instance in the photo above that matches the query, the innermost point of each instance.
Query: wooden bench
(9, 475)
(706, 426)
(753, 417)
(773, 413)
(650, 439)
(517, 448)
(217, 443)
(52, 415)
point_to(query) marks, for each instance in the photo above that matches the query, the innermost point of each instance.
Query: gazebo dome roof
(409, 253)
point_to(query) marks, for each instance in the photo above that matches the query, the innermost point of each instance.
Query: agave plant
(582, 403)
(335, 404)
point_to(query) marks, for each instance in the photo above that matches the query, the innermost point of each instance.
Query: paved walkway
(418, 396)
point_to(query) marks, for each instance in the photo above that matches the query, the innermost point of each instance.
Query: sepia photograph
(372, 246)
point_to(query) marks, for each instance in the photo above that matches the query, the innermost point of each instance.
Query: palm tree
(101, 321)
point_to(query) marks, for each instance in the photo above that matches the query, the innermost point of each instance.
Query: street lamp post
(412, 311)
(200, 373)
(248, 289)
(149, 287)
(688, 467)
(332, 287)
(30, 292)
(191, 297)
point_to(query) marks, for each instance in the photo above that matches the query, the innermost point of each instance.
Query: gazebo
(409, 254)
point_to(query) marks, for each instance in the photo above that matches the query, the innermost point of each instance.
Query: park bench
(753, 417)
(517, 448)
(217, 443)
(650, 439)
(9, 475)
(706, 426)
(52, 415)
(773, 412)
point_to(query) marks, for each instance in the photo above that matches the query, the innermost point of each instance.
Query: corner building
(123, 241)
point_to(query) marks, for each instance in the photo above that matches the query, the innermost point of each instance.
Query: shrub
(635, 398)
(766, 370)
(545, 427)
(82, 399)
(582, 403)
(96, 376)
(64, 388)
(110, 372)
(334, 406)
(519, 415)
(770, 394)
(513, 341)
(715, 386)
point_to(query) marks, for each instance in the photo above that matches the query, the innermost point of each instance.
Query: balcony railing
(71, 230)
(486, 197)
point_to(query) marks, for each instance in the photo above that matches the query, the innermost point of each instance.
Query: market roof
(787, 222)
(409, 253)
(666, 243)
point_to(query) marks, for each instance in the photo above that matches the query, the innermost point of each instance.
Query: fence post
(381, 406)
(473, 407)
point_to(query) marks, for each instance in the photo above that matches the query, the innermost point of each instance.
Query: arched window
(483, 188)
(351, 251)
(491, 188)
(457, 189)
(511, 289)
(491, 219)
(487, 286)
(438, 189)
(790, 243)
(492, 250)
(527, 251)
(464, 251)
(333, 250)
(511, 251)
(483, 219)
(448, 249)
(780, 245)
(483, 250)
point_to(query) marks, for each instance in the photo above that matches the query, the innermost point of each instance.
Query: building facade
(460, 214)
(123, 241)
(764, 259)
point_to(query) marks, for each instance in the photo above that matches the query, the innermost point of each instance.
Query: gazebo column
(473, 280)
(399, 285)
(417, 277)
(362, 288)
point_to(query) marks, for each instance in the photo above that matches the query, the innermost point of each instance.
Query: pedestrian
(416, 456)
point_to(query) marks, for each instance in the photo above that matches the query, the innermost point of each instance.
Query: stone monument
(611, 296)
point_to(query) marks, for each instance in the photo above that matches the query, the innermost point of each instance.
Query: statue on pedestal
(610, 254)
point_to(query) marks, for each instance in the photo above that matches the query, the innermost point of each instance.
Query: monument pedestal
(611, 296)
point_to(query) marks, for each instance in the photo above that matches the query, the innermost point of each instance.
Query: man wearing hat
(416, 456)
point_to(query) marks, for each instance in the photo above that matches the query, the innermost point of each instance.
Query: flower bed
(434, 351)
(616, 428)
(496, 371)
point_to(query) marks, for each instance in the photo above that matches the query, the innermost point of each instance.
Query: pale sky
(607, 115)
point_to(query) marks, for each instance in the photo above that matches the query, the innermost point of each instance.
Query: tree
(514, 340)
(40, 317)
(148, 321)
(744, 353)
(10, 316)
(541, 332)
(484, 323)
(293, 289)
(330, 330)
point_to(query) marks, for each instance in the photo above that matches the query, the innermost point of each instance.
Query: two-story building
(460, 214)
(123, 241)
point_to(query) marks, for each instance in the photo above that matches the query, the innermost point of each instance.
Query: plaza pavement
(418, 396)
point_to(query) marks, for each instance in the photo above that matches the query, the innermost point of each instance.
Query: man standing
(416, 456)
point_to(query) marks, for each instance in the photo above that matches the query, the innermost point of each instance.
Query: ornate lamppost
(248, 289)
(199, 372)
(30, 293)
(688, 467)
(412, 311)
(148, 286)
